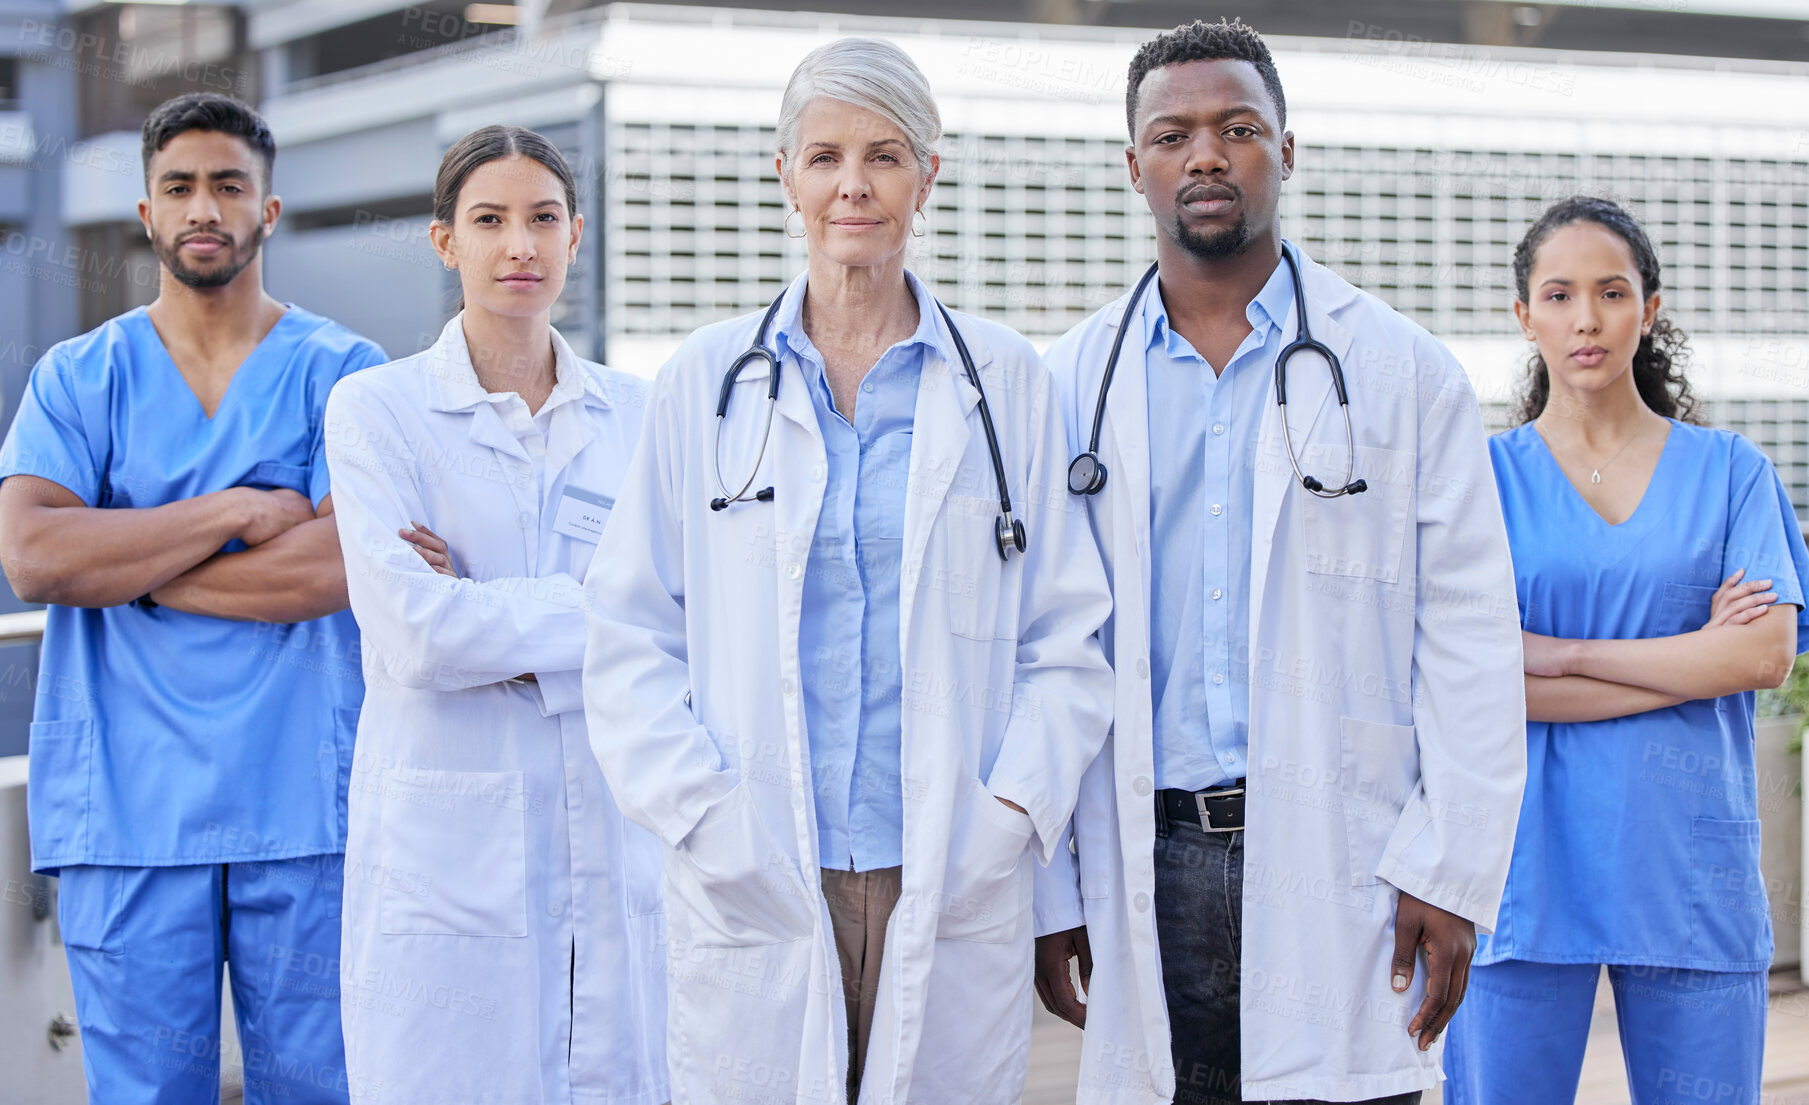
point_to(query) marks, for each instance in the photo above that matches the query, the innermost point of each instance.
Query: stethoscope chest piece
(1086, 474)
(1009, 532)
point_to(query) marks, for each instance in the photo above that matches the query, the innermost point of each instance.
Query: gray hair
(870, 74)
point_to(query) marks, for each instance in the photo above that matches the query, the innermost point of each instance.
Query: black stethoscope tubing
(1008, 532)
(1087, 474)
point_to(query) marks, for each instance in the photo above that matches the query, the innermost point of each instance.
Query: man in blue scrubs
(165, 494)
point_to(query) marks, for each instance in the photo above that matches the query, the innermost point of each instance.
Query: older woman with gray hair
(842, 655)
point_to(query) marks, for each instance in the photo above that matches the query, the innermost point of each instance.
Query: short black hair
(208, 111)
(1226, 40)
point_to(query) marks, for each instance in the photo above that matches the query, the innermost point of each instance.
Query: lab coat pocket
(1375, 777)
(986, 892)
(56, 791)
(1359, 536)
(643, 860)
(1729, 915)
(737, 888)
(979, 588)
(461, 835)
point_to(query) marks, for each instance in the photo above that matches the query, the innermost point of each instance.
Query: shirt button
(1217, 509)
(1216, 592)
(797, 799)
(1218, 427)
(787, 687)
(556, 909)
(1218, 677)
(793, 571)
(1143, 667)
(1143, 786)
(1141, 901)
(1230, 757)
(867, 387)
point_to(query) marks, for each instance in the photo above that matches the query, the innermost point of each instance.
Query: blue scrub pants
(1688, 1037)
(145, 947)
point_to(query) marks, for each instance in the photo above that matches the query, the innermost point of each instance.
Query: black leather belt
(1214, 810)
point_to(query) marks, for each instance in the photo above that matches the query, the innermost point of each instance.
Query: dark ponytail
(493, 143)
(1658, 362)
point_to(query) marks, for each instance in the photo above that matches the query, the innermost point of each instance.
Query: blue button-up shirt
(1202, 433)
(848, 633)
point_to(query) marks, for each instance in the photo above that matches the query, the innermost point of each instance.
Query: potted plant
(1781, 716)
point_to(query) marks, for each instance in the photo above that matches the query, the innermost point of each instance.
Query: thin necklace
(1595, 476)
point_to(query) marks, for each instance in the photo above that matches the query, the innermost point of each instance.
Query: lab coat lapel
(1124, 438)
(572, 428)
(1310, 397)
(939, 439)
(455, 390)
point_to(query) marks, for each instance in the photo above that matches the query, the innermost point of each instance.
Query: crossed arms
(55, 549)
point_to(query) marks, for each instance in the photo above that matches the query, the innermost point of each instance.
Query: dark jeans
(1199, 917)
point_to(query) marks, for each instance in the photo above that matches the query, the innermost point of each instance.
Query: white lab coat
(1387, 740)
(499, 911)
(692, 687)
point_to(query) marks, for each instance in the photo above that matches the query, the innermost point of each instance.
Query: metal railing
(22, 629)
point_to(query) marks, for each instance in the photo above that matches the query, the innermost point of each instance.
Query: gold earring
(788, 232)
(919, 219)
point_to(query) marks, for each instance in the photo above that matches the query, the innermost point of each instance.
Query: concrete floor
(1055, 1053)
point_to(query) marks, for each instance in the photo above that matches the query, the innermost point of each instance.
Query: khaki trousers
(860, 904)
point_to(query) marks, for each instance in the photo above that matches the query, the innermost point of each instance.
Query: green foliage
(1791, 698)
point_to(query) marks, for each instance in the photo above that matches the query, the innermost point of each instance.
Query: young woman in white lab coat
(854, 720)
(503, 933)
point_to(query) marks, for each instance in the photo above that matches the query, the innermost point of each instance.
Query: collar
(453, 381)
(1268, 309)
(788, 324)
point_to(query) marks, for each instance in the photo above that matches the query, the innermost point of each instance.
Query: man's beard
(1216, 246)
(224, 274)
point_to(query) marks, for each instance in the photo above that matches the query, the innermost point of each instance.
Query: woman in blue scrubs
(1660, 571)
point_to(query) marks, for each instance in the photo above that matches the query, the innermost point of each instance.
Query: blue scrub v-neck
(1576, 494)
(272, 339)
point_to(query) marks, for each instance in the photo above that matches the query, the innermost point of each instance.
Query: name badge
(581, 514)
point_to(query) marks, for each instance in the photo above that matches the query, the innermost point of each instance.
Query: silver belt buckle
(1206, 824)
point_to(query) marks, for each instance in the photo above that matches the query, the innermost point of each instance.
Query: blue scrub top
(164, 738)
(1202, 433)
(848, 630)
(1638, 840)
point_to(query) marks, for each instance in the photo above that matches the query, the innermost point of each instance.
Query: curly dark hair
(1226, 40)
(207, 111)
(1658, 362)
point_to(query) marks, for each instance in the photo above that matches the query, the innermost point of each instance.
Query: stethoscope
(1087, 475)
(1007, 531)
